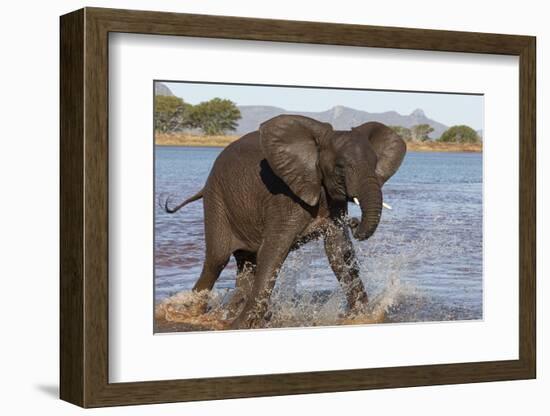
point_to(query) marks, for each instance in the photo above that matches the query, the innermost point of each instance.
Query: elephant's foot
(197, 303)
(360, 303)
(356, 297)
(235, 304)
(357, 312)
(183, 306)
(257, 317)
(362, 313)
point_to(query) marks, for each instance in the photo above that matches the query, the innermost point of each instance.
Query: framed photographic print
(255, 207)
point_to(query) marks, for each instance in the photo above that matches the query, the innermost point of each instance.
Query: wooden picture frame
(84, 207)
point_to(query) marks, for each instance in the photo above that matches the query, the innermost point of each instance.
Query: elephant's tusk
(355, 200)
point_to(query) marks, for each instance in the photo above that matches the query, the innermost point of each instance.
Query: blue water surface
(426, 253)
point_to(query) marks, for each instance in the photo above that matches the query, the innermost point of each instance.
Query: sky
(449, 109)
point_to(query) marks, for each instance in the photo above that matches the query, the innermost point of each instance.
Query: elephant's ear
(389, 147)
(291, 146)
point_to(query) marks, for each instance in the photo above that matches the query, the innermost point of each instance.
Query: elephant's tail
(195, 197)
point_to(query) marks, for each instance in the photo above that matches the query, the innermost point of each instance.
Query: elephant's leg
(270, 258)
(211, 270)
(218, 250)
(343, 262)
(246, 269)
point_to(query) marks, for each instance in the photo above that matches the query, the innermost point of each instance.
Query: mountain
(161, 89)
(341, 118)
(253, 115)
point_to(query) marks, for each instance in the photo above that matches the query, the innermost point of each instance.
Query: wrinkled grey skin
(277, 188)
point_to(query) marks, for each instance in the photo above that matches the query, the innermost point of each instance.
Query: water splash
(424, 263)
(386, 262)
(295, 301)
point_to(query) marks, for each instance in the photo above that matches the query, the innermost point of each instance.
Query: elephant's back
(246, 148)
(242, 157)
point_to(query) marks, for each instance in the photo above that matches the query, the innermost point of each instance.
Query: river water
(424, 262)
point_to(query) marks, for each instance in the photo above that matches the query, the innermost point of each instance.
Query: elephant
(283, 185)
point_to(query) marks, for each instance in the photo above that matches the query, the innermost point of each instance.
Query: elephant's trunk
(370, 201)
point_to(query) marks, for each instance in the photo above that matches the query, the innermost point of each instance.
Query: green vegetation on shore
(417, 133)
(210, 124)
(460, 134)
(214, 117)
(420, 133)
(190, 140)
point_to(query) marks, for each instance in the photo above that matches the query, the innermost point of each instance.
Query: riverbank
(189, 140)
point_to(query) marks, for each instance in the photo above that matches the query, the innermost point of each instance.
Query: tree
(460, 134)
(171, 114)
(404, 132)
(421, 132)
(216, 116)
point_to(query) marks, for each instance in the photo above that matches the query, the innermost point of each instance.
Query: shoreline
(188, 140)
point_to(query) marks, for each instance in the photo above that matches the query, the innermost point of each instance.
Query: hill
(341, 117)
(161, 89)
